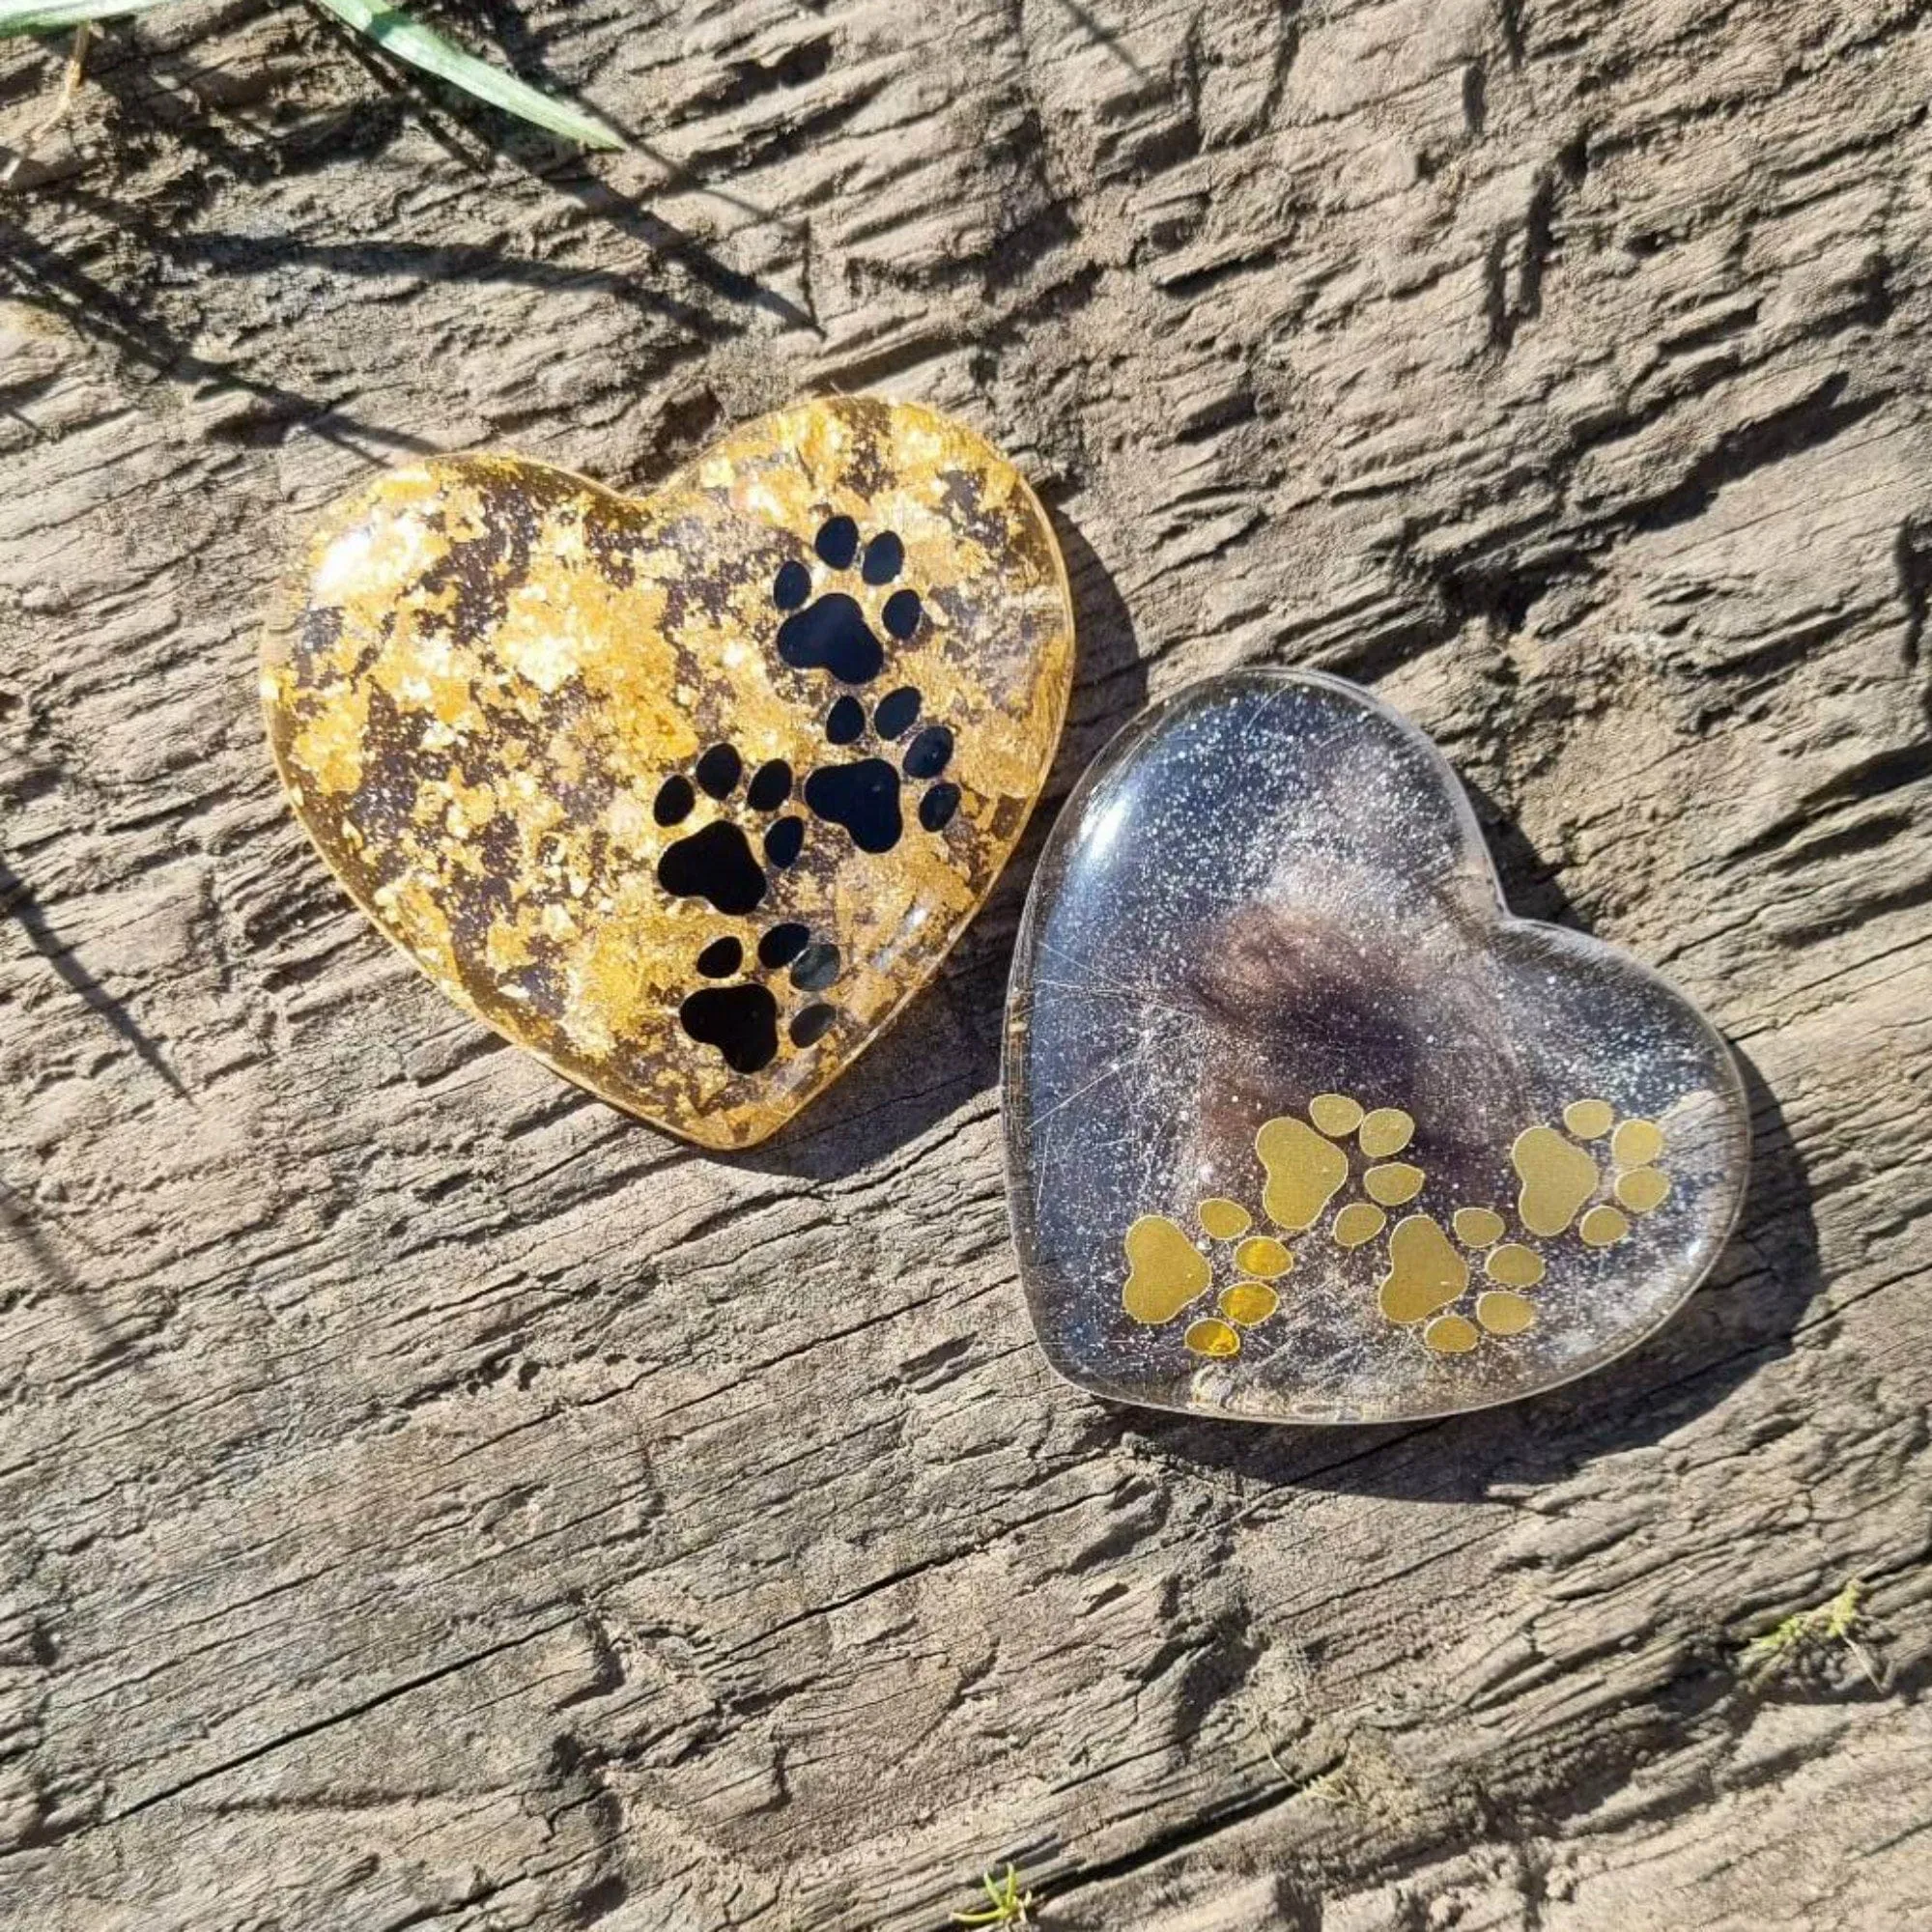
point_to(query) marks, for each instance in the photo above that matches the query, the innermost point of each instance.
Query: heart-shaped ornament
(686, 794)
(1302, 1125)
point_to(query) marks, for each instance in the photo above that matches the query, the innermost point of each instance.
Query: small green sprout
(1833, 1624)
(1009, 1904)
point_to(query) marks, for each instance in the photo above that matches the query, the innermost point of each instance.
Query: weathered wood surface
(427, 1498)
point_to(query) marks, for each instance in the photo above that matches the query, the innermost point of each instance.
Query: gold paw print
(1166, 1271)
(1305, 1169)
(1428, 1274)
(1558, 1177)
(1559, 1181)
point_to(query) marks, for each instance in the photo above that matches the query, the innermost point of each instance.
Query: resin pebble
(1266, 991)
(686, 794)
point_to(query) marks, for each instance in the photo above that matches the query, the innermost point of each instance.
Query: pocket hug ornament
(689, 793)
(1302, 1125)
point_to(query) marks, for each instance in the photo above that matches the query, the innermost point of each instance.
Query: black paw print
(830, 631)
(863, 797)
(741, 1020)
(715, 861)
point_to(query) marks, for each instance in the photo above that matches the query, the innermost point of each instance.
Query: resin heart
(1302, 1125)
(686, 794)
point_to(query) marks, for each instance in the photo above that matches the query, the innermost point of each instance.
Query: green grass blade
(394, 32)
(51, 16)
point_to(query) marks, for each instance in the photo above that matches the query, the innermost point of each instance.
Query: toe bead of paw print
(833, 631)
(717, 863)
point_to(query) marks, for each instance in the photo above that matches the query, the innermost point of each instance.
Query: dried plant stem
(76, 69)
(396, 32)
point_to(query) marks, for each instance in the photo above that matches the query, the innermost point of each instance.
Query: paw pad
(1165, 1271)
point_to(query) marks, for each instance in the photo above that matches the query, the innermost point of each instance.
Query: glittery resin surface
(1302, 1125)
(688, 793)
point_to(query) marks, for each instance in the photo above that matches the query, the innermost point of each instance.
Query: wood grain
(430, 1498)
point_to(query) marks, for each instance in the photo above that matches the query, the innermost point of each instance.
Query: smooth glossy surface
(687, 794)
(1267, 989)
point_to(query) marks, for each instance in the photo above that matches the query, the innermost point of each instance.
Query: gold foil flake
(326, 750)
(1223, 1220)
(1477, 1227)
(1304, 1172)
(1557, 1177)
(1385, 1131)
(1166, 1270)
(1335, 1114)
